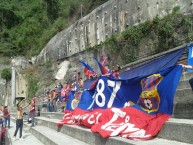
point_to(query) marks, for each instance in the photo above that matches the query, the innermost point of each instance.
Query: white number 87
(100, 88)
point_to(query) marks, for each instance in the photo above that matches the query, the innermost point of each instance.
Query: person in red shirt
(54, 99)
(116, 74)
(64, 93)
(32, 112)
(6, 116)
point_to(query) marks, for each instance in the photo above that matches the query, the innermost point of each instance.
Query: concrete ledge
(178, 129)
(183, 96)
(183, 110)
(51, 137)
(186, 76)
(183, 104)
(184, 85)
(55, 115)
(44, 139)
(84, 134)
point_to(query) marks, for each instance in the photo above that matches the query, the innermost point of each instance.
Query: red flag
(129, 123)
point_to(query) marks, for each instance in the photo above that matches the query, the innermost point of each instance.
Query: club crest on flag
(149, 99)
(76, 100)
(74, 103)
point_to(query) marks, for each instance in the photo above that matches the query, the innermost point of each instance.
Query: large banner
(133, 108)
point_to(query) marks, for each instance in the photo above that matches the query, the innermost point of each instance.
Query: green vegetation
(6, 74)
(27, 25)
(163, 34)
(32, 85)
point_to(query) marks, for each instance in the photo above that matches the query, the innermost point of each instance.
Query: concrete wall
(19, 64)
(21, 85)
(112, 17)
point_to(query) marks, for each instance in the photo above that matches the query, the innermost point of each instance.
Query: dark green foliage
(32, 86)
(52, 8)
(27, 25)
(6, 74)
(8, 18)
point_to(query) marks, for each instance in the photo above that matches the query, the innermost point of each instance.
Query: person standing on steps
(54, 99)
(19, 120)
(32, 112)
(6, 115)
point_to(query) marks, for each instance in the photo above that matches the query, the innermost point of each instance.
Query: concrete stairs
(183, 102)
(49, 134)
(51, 137)
(177, 131)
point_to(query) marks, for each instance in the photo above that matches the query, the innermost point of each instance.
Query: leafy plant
(32, 85)
(6, 74)
(27, 26)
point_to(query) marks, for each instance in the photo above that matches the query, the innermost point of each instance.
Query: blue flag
(88, 67)
(161, 63)
(152, 94)
(151, 90)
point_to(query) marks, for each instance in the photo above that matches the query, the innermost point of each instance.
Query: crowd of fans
(60, 93)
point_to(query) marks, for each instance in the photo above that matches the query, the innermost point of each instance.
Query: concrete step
(56, 115)
(183, 104)
(186, 76)
(84, 134)
(184, 84)
(183, 95)
(178, 129)
(52, 137)
(183, 110)
(29, 139)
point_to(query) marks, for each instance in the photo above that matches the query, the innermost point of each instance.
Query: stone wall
(20, 63)
(112, 17)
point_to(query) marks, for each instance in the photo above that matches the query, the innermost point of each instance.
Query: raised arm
(26, 105)
(21, 102)
(186, 66)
